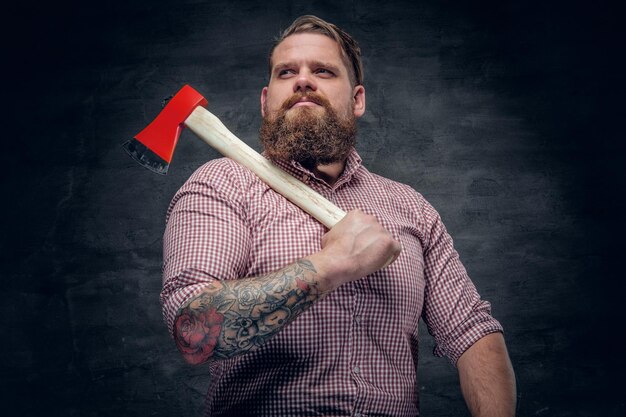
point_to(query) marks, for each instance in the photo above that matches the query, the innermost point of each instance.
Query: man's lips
(305, 103)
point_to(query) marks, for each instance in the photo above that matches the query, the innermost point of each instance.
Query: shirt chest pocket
(281, 233)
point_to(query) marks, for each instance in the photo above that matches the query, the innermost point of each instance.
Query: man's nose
(304, 82)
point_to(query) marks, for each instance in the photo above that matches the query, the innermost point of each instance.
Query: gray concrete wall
(503, 114)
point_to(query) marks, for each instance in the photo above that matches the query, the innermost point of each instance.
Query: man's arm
(229, 318)
(232, 317)
(487, 378)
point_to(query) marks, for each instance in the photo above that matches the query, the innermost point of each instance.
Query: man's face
(311, 62)
(310, 98)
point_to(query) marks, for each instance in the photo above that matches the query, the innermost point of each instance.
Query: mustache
(310, 96)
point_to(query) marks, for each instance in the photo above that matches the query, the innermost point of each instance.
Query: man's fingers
(360, 244)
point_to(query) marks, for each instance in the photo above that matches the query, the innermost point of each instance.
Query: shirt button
(357, 414)
(356, 370)
(357, 319)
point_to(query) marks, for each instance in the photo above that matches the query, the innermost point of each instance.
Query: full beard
(311, 136)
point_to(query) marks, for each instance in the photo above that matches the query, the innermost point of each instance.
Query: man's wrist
(331, 271)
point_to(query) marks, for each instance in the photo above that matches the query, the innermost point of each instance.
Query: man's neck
(331, 172)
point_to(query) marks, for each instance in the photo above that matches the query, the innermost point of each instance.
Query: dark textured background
(504, 114)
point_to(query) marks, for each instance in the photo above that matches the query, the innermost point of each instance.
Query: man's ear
(358, 94)
(263, 99)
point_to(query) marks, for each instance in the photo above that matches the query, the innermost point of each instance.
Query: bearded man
(296, 320)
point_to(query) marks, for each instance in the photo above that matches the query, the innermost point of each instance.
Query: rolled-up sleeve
(453, 311)
(206, 236)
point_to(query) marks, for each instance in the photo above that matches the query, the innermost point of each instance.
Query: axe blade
(142, 154)
(154, 146)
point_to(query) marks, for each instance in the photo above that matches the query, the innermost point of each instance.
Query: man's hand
(357, 246)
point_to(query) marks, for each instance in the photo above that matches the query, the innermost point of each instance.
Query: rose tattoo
(198, 333)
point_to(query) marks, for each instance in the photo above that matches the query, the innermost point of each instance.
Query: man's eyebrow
(281, 66)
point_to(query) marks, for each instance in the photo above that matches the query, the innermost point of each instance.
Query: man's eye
(285, 72)
(324, 72)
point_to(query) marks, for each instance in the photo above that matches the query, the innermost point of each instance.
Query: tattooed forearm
(232, 317)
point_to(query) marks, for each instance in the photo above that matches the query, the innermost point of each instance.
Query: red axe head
(154, 146)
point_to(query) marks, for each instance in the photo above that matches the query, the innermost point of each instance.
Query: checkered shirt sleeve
(206, 235)
(453, 311)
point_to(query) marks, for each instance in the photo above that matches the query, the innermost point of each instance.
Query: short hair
(350, 50)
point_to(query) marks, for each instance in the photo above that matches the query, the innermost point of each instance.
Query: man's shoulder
(223, 170)
(393, 187)
(401, 196)
(221, 176)
(220, 179)
(217, 167)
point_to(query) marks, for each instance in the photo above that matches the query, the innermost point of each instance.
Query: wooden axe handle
(211, 130)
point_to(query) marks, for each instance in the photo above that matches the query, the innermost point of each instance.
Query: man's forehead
(309, 47)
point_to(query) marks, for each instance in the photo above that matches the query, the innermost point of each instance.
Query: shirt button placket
(356, 369)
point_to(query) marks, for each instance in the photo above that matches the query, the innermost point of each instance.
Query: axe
(154, 146)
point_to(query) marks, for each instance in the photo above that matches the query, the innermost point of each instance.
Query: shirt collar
(353, 163)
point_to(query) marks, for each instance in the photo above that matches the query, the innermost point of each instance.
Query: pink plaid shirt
(353, 353)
